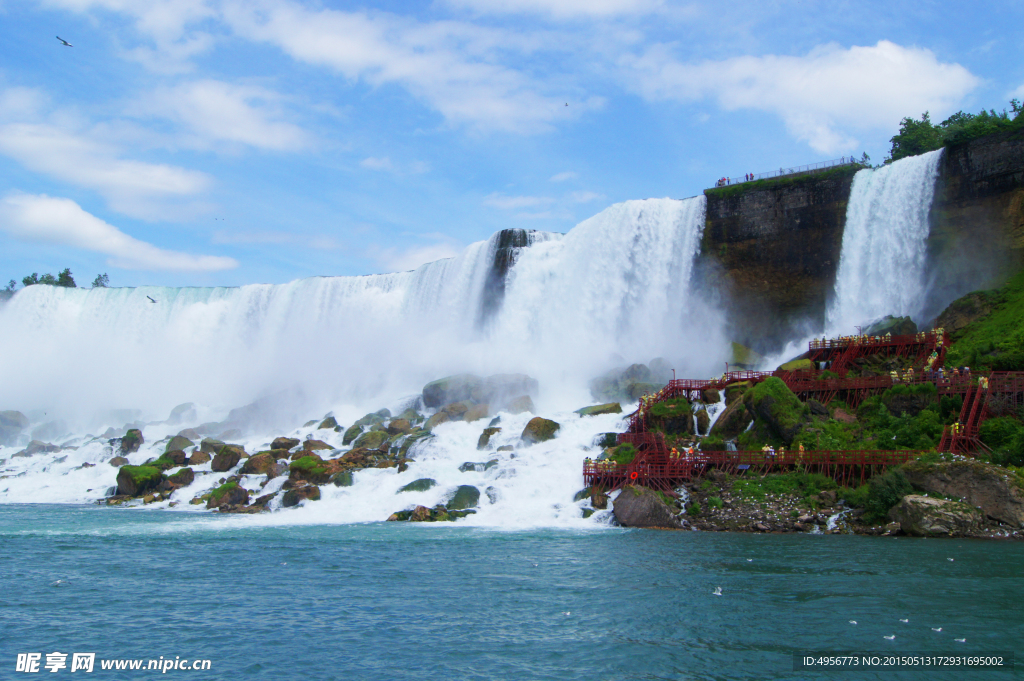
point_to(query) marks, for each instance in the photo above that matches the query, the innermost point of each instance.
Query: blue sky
(222, 142)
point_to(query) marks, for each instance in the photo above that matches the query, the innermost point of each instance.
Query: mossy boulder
(736, 391)
(897, 326)
(228, 494)
(672, 417)
(399, 426)
(284, 443)
(450, 389)
(329, 422)
(310, 468)
(136, 480)
(211, 445)
(733, 421)
(342, 479)
(166, 460)
(260, 463)
(540, 430)
(131, 441)
(370, 420)
(421, 485)
(465, 496)
(773, 402)
(315, 445)
(227, 458)
(372, 439)
(703, 421)
(599, 409)
(485, 437)
(118, 461)
(477, 412)
(183, 478)
(178, 442)
(351, 434)
(799, 364)
(711, 396)
(297, 495)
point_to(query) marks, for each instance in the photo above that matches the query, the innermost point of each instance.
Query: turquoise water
(400, 601)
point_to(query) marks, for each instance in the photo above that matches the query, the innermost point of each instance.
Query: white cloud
(562, 177)
(585, 197)
(1018, 93)
(561, 9)
(377, 163)
(62, 221)
(131, 187)
(514, 202)
(453, 67)
(396, 260)
(822, 97)
(214, 112)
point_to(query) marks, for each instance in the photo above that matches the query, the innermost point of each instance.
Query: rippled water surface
(400, 601)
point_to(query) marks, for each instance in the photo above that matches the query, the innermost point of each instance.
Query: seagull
(936, 628)
(64, 42)
(853, 621)
(151, 300)
(750, 560)
(960, 640)
(889, 638)
(717, 591)
(904, 621)
(567, 614)
(58, 582)
(950, 560)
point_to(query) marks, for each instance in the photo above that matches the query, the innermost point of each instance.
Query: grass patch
(995, 341)
(773, 183)
(714, 502)
(622, 455)
(798, 483)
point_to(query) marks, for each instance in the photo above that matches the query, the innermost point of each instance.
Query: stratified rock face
(993, 489)
(641, 507)
(921, 516)
(540, 430)
(774, 251)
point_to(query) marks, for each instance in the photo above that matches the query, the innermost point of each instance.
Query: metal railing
(844, 161)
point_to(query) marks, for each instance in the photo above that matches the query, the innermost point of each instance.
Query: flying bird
(717, 591)
(853, 621)
(904, 621)
(960, 640)
(889, 638)
(65, 43)
(151, 300)
(936, 628)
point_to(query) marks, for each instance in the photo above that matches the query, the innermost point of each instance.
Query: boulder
(198, 458)
(227, 458)
(921, 516)
(309, 468)
(773, 402)
(703, 421)
(520, 405)
(450, 389)
(641, 507)
(909, 404)
(539, 430)
(298, 494)
(477, 412)
(183, 478)
(997, 491)
(181, 413)
(371, 439)
(711, 396)
(598, 409)
(606, 440)
(673, 416)
(733, 421)
(342, 479)
(176, 457)
(897, 326)
(398, 426)
(228, 494)
(131, 441)
(329, 422)
(261, 463)
(465, 496)
(736, 391)
(118, 461)
(370, 419)
(191, 434)
(315, 445)
(351, 434)
(11, 425)
(457, 410)
(421, 485)
(485, 437)
(436, 420)
(799, 364)
(136, 480)
(210, 445)
(38, 447)
(817, 408)
(178, 442)
(284, 443)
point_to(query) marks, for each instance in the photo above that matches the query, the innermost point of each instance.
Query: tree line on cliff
(921, 136)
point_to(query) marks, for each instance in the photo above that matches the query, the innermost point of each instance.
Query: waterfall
(881, 268)
(617, 285)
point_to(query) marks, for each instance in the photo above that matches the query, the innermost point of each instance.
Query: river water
(400, 601)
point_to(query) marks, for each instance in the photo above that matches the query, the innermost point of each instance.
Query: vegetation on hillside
(920, 136)
(994, 341)
(64, 278)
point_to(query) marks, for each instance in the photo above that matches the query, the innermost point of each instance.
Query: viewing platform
(785, 172)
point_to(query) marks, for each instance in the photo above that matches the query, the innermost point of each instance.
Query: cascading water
(881, 268)
(615, 289)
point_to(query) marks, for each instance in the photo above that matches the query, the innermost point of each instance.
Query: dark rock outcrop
(285, 443)
(921, 516)
(227, 458)
(998, 492)
(301, 493)
(641, 507)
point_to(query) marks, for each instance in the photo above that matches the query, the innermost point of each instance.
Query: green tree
(915, 137)
(101, 281)
(65, 279)
(11, 285)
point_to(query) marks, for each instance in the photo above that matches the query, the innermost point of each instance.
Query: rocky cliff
(771, 250)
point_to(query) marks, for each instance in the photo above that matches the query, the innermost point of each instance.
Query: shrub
(694, 509)
(884, 492)
(714, 502)
(623, 454)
